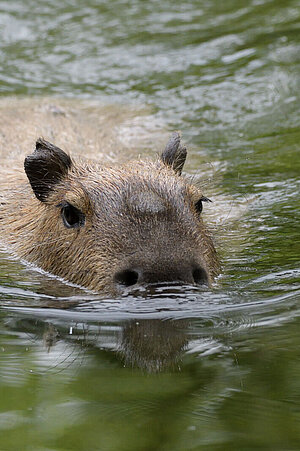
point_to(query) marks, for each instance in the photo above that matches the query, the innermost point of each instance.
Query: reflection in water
(50, 337)
(153, 345)
(150, 345)
(202, 327)
(78, 374)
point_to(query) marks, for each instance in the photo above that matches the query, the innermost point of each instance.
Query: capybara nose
(127, 277)
(194, 274)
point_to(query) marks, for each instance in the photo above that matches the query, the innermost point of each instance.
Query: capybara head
(110, 227)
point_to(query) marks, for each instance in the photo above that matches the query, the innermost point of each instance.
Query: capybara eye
(199, 205)
(72, 217)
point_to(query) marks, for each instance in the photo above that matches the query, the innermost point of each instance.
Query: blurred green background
(215, 370)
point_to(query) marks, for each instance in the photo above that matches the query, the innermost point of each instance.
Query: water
(179, 369)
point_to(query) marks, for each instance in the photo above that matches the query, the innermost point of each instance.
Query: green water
(212, 370)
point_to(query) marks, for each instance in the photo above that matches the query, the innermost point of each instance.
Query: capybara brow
(109, 227)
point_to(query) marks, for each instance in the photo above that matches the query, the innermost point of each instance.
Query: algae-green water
(211, 369)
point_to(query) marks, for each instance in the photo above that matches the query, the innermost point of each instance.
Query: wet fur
(138, 212)
(90, 256)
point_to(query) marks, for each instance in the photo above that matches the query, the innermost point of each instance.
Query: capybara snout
(110, 227)
(135, 274)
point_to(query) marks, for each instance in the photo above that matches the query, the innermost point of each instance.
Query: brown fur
(139, 214)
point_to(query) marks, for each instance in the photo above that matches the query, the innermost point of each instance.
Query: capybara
(107, 227)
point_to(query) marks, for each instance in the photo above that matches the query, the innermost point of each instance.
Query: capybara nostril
(157, 274)
(128, 277)
(200, 276)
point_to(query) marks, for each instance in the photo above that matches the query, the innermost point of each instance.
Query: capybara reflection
(108, 227)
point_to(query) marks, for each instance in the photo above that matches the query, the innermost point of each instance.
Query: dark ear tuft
(45, 167)
(174, 154)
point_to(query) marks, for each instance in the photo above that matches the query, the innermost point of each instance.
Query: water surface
(180, 369)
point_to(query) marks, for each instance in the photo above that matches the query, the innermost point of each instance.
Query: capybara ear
(45, 167)
(174, 154)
